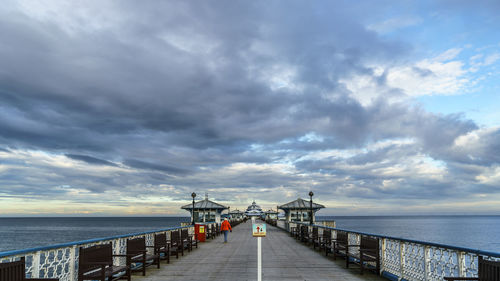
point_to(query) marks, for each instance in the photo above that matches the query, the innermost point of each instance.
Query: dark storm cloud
(90, 160)
(119, 86)
(153, 166)
(485, 152)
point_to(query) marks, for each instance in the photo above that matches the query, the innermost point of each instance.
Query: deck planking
(283, 258)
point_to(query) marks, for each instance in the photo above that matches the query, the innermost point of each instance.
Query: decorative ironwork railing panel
(61, 261)
(391, 256)
(421, 261)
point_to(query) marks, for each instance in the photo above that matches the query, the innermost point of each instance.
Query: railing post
(401, 259)
(118, 246)
(427, 262)
(36, 265)
(382, 256)
(72, 262)
(462, 267)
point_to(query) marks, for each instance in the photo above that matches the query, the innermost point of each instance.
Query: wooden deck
(283, 258)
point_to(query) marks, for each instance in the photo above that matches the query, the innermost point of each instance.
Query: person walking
(225, 227)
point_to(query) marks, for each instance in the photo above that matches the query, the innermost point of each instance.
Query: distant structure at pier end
(254, 210)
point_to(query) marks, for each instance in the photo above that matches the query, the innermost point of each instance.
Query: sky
(124, 108)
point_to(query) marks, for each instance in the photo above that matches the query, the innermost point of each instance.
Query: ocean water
(475, 232)
(23, 233)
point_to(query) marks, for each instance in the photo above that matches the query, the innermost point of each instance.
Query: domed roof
(254, 210)
(254, 206)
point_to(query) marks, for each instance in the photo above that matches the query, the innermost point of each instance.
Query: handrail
(414, 260)
(81, 242)
(432, 244)
(61, 260)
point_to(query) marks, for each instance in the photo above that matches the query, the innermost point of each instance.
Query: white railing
(405, 259)
(61, 261)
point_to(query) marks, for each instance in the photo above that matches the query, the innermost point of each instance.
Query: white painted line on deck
(259, 258)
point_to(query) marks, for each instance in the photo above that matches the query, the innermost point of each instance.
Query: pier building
(205, 211)
(271, 215)
(254, 210)
(236, 215)
(298, 210)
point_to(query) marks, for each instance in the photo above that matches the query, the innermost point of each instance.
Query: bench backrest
(368, 242)
(102, 253)
(184, 234)
(488, 270)
(327, 234)
(160, 240)
(13, 271)
(174, 236)
(342, 237)
(304, 230)
(136, 245)
(315, 232)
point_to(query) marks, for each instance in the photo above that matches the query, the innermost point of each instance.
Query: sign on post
(259, 230)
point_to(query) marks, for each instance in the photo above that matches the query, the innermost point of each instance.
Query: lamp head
(311, 193)
(193, 195)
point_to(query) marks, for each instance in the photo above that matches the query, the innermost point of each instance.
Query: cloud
(396, 23)
(153, 166)
(438, 76)
(90, 159)
(150, 102)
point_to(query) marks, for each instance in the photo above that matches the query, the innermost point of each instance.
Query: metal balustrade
(406, 259)
(61, 260)
(401, 259)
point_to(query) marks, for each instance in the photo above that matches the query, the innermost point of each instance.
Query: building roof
(254, 206)
(300, 204)
(271, 212)
(204, 205)
(236, 212)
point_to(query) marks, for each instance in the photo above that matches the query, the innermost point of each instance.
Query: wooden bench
(218, 229)
(161, 246)
(96, 263)
(315, 239)
(294, 231)
(176, 246)
(487, 271)
(304, 234)
(326, 241)
(138, 255)
(188, 240)
(369, 251)
(16, 271)
(341, 245)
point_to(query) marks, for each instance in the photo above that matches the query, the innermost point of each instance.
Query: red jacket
(225, 226)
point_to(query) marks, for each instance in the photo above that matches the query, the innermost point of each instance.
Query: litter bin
(200, 232)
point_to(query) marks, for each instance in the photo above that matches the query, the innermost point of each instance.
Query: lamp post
(192, 210)
(311, 207)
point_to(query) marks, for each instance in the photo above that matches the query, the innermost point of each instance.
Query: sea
(475, 232)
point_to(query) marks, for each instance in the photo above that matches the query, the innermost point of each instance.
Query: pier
(282, 259)
(284, 256)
